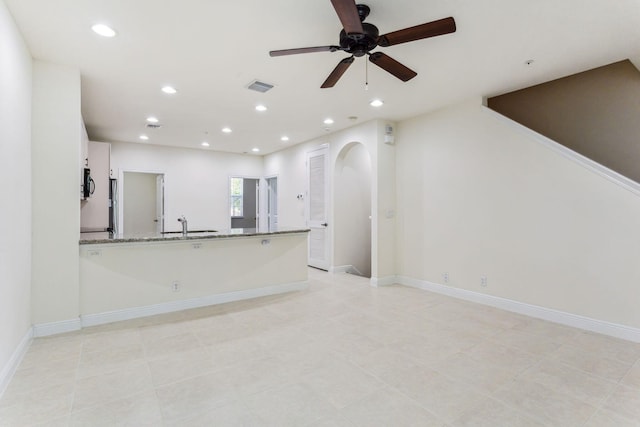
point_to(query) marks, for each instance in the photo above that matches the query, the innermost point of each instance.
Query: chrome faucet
(183, 220)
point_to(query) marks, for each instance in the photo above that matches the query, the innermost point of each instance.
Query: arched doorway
(352, 210)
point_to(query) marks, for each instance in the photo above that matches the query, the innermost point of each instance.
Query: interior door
(139, 203)
(272, 202)
(317, 207)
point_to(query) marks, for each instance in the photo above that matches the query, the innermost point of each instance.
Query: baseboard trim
(556, 316)
(383, 281)
(54, 328)
(169, 307)
(14, 361)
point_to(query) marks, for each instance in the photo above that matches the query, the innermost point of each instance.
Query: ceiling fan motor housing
(360, 44)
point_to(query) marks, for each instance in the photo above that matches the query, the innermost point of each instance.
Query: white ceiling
(211, 49)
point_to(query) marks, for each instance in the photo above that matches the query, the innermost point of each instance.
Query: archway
(352, 210)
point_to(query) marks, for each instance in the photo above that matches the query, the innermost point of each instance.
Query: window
(236, 197)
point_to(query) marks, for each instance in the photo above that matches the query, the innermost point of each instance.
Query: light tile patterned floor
(341, 354)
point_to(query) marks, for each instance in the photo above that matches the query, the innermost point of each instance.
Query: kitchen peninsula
(124, 277)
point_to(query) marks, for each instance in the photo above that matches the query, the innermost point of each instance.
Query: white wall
(289, 165)
(56, 136)
(15, 187)
(196, 181)
(477, 197)
(352, 205)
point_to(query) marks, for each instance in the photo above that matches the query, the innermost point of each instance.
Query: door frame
(267, 204)
(258, 195)
(120, 194)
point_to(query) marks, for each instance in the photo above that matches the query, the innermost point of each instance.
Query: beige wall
(594, 113)
(15, 187)
(56, 135)
(477, 197)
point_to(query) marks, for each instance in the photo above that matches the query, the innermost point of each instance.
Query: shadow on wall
(352, 210)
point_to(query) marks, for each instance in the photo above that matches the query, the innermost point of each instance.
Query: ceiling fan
(359, 38)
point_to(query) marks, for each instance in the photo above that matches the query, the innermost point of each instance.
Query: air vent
(259, 86)
(153, 125)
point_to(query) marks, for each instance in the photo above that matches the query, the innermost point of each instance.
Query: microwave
(88, 184)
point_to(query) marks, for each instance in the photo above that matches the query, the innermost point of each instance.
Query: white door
(317, 203)
(272, 202)
(140, 203)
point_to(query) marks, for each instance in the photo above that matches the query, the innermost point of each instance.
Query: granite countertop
(88, 238)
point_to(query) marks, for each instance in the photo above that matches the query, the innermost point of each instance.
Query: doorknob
(155, 220)
(324, 224)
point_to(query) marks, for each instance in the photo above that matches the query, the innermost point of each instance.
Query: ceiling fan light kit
(359, 38)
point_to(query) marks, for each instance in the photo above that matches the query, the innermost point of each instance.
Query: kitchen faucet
(183, 220)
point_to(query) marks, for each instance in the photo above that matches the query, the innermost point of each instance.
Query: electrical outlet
(175, 286)
(445, 277)
(483, 281)
(196, 245)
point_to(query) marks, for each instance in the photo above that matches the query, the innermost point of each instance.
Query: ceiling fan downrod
(366, 75)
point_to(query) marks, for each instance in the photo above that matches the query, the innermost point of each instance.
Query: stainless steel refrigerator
(113, 206)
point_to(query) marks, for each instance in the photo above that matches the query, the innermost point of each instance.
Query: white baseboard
(556, 316)
(53, 328)
(383, 281)
(168, 307)
(12, 364)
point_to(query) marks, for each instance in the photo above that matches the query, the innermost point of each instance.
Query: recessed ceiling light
(152, 119)
(255, 150)
(284, 138)
(205, 144)
(144, 137)
(226, 130)
(376, 103)
(169, 89)
(261, 108)
(328, 121)
(103, 30)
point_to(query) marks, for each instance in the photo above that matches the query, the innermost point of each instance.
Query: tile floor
(340, 354)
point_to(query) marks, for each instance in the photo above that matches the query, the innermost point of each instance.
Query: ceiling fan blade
(423, 31)
(337, 72)
(348, 14)
(392, 66)
(283, 52)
